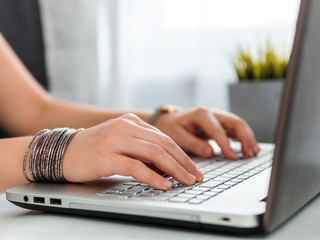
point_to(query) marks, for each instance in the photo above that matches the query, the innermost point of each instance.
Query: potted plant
(256, 95)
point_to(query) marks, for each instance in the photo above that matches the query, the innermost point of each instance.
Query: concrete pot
(258, 103)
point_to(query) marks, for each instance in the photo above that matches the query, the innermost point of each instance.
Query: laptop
(241, 196)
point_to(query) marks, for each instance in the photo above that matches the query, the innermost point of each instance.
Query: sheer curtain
(71, 51)
(142, 53)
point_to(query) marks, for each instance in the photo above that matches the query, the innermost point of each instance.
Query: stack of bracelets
(47, 149)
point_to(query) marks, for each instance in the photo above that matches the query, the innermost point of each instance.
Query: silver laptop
(238, 196)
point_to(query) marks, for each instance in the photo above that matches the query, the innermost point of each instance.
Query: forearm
(11, 162)
(58, 113)
(25, 107)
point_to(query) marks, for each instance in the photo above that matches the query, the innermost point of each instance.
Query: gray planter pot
(258, 103)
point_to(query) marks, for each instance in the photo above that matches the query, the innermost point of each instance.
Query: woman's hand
(191, 130)
(130, 147)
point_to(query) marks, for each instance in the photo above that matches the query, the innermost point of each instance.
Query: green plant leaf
(269, 64)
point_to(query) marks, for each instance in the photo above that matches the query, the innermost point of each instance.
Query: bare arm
(11, 158)
(25, 107)
(58, 113)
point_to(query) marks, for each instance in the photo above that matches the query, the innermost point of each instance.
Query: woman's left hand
(192, 129)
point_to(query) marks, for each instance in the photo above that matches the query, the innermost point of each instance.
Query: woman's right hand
(127, 146)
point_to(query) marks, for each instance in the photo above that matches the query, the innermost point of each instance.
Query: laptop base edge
(143, 219)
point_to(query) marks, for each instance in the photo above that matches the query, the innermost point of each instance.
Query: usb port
(55, 201)
(226, 219)
(38, 200)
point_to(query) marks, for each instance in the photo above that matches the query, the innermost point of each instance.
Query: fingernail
(199, 175)
(232, 155)
(250, 153)
(207, 152)
(190, 178)
(166, 183)
(257, 149)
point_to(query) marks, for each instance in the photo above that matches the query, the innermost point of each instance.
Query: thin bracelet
(27, 151)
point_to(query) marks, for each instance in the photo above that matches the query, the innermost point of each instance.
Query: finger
(215, 131)
(154, 168)
(242, 131)
(247, 147)
(155, 154)
(156, 136)
(196, 145)
(130, 167)
(171, 148)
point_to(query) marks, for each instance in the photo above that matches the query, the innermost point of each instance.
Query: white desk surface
(18, 223)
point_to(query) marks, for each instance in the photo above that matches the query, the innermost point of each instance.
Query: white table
(18, 223)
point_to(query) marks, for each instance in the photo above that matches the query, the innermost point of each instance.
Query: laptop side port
(226, 219)
(55, 201)
(38, 200)
(26, 199)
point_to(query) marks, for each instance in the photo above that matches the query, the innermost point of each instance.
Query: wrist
(162, 110)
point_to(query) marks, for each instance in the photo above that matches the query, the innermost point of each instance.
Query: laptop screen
(295, 177)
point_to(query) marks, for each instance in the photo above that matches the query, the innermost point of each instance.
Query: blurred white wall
(70, 31)
(143, 53)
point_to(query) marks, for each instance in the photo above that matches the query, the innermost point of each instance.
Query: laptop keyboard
(219, 175)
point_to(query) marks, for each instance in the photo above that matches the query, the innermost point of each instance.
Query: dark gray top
(21, 26)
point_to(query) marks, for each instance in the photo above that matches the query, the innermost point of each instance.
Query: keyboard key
(168, 194)
(178, 200)
(195, 201)
(175, 183)
(118, 187)
(211, 184)
(220, 178)
(188, 196)
(203, 197)
(224, 187)
(230, 183)
(229, 175)
(211, 175)
(136, 189)
(146, 193)
(111, 191)
(216, 190)
(242, 177)
(183, 187)
(211, 194)
(121, 188)
(131, 184)
(206, 178)
(200, 189)
(177, 191)
(149, 197)
(116, 194)
(144, 185)
(192, 192)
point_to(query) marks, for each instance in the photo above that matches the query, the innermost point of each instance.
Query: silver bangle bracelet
(47, 150)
